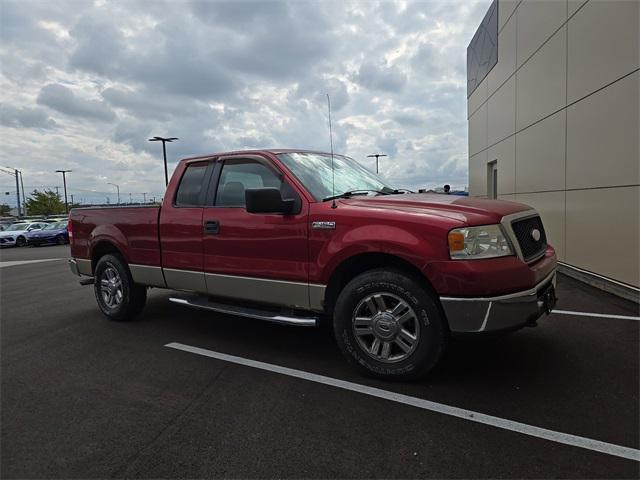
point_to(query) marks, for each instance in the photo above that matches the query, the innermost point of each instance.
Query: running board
(205, 304)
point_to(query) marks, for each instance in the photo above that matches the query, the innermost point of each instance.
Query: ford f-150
(302, 237)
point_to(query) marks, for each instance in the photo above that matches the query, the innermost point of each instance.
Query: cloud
(62, 99)
(381, 77)
(88, 82)
(25, 117)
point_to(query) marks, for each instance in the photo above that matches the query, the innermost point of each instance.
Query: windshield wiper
(351, 193)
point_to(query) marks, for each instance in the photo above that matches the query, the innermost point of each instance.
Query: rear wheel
(60, 240)
(389, 325)
(118, 297)
(21, 241)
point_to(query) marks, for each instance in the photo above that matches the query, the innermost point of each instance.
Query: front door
(258, 257)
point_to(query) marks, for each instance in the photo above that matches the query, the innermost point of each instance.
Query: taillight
(70, 231)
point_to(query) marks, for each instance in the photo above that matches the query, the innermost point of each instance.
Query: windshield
(55, 226)
(314, 172)
(17, 227)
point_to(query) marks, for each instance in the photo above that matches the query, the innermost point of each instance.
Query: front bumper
(7, 241)
(504, 312)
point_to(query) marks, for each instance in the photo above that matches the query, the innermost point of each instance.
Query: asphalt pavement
(83, 397)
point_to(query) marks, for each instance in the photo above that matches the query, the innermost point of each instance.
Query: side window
(239, 175)
(190, 185)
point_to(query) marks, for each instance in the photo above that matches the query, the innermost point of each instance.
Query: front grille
(532, 249)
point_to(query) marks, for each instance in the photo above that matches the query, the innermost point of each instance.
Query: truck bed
(134, 229)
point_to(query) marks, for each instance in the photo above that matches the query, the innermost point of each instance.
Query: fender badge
(535, 234)
(323, 225)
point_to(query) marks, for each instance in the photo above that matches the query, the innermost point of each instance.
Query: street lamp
(64, 183)
(15, 174)
(117, 188)
(376, 155)
(164, 153)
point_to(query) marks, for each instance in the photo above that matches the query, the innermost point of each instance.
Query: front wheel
(21, 241)
(389, 325)
(118, 297)
(60, 240)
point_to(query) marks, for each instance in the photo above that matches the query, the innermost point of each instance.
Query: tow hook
(87, 281)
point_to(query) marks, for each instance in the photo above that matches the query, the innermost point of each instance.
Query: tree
(5, 210)
(44, 203)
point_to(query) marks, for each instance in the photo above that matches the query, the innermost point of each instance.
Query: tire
(396, 309)
(119, 299)
(60, 240)
(21, 241)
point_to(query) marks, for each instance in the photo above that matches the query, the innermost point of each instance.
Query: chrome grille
(523, 229)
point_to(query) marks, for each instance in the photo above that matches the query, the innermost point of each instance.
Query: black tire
(132, 296)
(60, 240)
(425, 320)
(21, 241)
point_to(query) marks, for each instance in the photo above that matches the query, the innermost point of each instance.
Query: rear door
(256, 257)
(181, 228)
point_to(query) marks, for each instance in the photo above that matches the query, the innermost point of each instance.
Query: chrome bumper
(73, 266)
(80, 266)
(504, 312)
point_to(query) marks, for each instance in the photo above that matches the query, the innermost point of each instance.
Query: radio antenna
(333, 172)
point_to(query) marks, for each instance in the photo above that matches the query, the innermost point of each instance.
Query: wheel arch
(102, 248)
(353, 266)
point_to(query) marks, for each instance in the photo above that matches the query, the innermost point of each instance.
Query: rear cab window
(190, 191)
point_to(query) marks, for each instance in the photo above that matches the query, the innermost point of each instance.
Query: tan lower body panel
(147, 275)
(262, 290)
(84, 266)
(185, 280)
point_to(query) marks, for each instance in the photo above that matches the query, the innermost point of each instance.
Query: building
(553, 104)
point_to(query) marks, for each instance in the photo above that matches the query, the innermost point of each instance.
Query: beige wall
(559, 113)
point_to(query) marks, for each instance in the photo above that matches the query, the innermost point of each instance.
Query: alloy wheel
(111, 287)
(386, 327)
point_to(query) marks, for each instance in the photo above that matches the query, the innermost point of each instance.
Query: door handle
(211, 227)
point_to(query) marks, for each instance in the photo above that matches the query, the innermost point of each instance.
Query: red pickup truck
(303, 237)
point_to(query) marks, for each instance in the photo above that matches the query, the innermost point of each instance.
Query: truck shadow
(515, 358)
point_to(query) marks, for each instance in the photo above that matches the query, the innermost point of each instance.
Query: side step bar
(275, 317)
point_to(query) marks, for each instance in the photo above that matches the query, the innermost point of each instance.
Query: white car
(15, 235)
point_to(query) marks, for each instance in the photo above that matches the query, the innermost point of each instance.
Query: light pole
(164, 153)
(64, 183)
(376, 155)
(24, 197)
(118, 190)
(144, 196)
(15, 173)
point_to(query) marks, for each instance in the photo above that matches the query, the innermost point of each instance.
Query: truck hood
(468, 210)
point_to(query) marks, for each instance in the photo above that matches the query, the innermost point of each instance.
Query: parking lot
(85, 397)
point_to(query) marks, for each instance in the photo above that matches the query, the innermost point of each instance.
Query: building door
(492, 179)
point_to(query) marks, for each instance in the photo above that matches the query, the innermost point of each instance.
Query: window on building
(492, 179)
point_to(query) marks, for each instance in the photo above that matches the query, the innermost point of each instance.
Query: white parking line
(601, 315)
(13, 263)
(558, 437)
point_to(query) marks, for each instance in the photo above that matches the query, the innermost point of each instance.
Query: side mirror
(267, 200)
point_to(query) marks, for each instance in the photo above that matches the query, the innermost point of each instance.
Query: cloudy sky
(85, 83)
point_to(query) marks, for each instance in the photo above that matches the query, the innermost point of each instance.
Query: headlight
(472, 243)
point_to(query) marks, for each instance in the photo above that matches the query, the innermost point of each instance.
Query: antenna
(333, 172)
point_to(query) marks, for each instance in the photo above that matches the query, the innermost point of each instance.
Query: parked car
(262, 234)
(51, 233)
(16, 234)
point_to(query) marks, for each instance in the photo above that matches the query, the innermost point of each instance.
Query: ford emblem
(535, 234)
